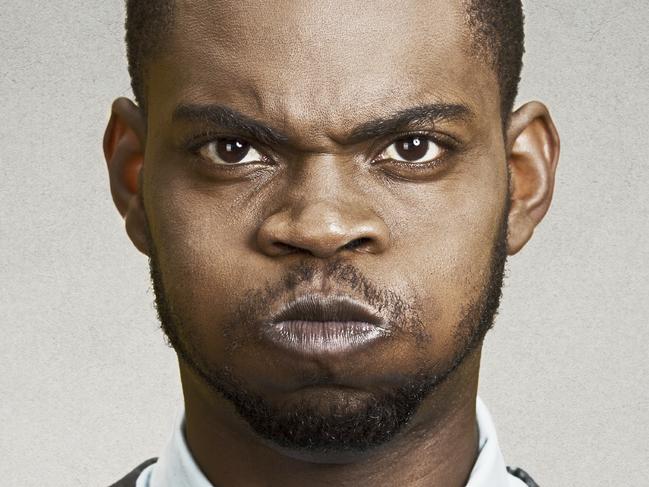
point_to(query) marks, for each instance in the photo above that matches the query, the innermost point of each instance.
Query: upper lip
(313, 307)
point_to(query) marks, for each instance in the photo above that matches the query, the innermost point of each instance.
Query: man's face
(407, 218)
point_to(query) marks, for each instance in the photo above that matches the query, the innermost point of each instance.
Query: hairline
(480, 48)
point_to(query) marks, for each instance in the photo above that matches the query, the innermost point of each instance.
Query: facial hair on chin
(340, 428)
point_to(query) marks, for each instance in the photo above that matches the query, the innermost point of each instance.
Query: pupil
(232, 150)
(412, 148)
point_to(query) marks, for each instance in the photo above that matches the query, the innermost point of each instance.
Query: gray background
(89, 388)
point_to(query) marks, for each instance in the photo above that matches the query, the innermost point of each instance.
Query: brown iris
(411, 148)
(232, 150)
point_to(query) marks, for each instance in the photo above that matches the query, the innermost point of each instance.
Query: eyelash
(196, 142)
(446, 143)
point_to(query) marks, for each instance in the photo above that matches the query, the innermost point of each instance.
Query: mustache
(334, 276)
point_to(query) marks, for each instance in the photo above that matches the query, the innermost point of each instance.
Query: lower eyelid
(442, 150)
(204, 147)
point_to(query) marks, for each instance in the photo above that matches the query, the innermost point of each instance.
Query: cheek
(201, 251)
(449, 253)
(439, 253)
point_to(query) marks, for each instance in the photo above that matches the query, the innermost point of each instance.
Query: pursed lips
(315, 324)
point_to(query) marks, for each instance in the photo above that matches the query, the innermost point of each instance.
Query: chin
(327, 423)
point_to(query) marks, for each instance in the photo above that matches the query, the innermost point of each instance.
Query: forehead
(312, 62)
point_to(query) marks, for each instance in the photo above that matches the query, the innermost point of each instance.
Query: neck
(437, 448)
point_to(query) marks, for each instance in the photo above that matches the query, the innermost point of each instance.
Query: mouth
(321, 325)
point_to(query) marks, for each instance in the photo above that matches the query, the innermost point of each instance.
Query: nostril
(356, 243)
(285, 248)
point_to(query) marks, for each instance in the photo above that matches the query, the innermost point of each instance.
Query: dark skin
(323, 188)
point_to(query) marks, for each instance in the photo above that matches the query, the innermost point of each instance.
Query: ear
(124, 142)
(533, 148)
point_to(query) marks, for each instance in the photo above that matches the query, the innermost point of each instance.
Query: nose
(322, 229)
(323, 220)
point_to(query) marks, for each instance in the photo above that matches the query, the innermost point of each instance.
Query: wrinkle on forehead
(313, 66)
(332, 38)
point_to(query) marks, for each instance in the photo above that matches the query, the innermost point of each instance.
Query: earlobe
(124, 141)
(533, 153)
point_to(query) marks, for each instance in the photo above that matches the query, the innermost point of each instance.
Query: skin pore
(324, 97)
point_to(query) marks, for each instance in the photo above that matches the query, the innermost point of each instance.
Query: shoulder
(130, 478)
(522, 475)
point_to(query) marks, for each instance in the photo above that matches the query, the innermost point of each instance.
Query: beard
(336, 427)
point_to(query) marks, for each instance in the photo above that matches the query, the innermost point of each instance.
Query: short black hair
(496, 25)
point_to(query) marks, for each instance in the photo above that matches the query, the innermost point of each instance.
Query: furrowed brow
(410, 117)
(227, 118)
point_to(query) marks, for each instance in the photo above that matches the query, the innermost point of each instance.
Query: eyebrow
(410, 118)
(227, 118)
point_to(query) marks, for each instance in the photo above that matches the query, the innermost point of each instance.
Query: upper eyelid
(196, 142)
(436, 137)
(445, 142)
(262, 155)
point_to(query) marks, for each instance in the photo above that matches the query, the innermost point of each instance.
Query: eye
(413, 148)
(230, 151)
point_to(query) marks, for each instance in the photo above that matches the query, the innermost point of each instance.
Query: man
(328, 192)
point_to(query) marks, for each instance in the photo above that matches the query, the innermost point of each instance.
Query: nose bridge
(323, 212)
(321, 180)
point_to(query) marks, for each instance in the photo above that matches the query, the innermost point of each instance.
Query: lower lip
(323, 337)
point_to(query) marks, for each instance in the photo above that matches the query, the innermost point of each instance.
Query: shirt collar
(489, 468)
(176, 466)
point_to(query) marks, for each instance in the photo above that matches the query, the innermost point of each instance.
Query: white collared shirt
(176, 466)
